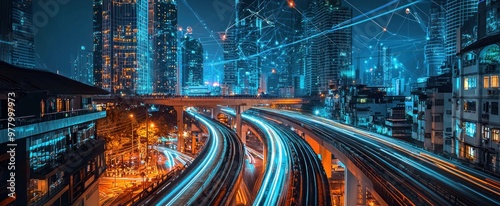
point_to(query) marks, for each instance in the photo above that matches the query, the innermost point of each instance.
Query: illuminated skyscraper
(163, 31)
(83, 67)
(121, 46)
(192, 62)
(331, 52)
(457, 12)
(243, 70)
(16, 33)
(434, 48)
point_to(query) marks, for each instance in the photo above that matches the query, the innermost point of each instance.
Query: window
(469, 106)
(494, 81)
(494, 108)
(470, 152)
(469, 83)
(486, 82)
(495, 134)
(437, 118)
(439, 102)
(470, 129)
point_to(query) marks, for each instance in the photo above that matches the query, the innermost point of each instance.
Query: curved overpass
(400, 173)
(212, 178)
(294, 174)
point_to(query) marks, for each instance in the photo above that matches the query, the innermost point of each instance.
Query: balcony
(29, 126)
(490, 68)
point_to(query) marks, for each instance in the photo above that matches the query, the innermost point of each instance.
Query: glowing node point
(385, 29)
(407, 11)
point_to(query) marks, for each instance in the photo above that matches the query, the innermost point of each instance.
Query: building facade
(163, 32)
(330, 52)
(476, 119)
(192, 62)
(242, 70)
(429, 105)
(17, 36)
(83, 70)
(458, 11)
(58, 156)
(434, 47)
(122, 46)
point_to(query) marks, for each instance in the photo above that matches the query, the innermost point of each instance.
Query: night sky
(58, 41)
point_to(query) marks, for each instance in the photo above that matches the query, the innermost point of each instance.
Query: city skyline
(207, 26)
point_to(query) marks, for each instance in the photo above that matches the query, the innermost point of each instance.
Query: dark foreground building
(50, 152)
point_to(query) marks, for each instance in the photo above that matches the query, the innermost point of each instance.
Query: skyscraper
(331, 51)
(192, 62)
(83, 67)
(243, 70)
(434, 48)
(16, 33)
(121, 46)
(163, 31)
(457, 12)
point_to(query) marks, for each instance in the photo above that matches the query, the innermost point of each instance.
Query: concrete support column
(193, 144)
(215, 112)
(238, 123)
(180, 128)
(350, 188)
(326, 160)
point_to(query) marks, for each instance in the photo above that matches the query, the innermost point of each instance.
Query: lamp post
(132, 137)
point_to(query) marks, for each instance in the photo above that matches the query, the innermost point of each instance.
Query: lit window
(486, 81)
(470, 152)
(470, 129)
(495, 134)
(466, 83)
(494, 81)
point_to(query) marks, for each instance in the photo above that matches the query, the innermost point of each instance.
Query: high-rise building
(243, 70)
(17, 33)
(163, 31)
(272, 83)
(121, 46)
(83, 66)
(457, 12)
(332, 50)
(192, 62)
(434, 48)
(476, 91)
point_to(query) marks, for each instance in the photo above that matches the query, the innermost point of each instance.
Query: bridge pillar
(215, 112)
(351, 188)
(193, 144)
(238, 110)
(326, 160)
(180, 128)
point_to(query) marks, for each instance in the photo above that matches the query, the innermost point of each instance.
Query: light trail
(172, 197)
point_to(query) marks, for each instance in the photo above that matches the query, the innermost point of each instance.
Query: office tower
(121, 41)
(59, 158)
(331, 51)
(243, 69)
(272, 83)
(163, 31)
(230, 79)
(434, 48)
(457, 12)
(192, 62)
(83, 66)
(17, 33)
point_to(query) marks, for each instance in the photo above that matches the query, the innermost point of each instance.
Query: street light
(132, 139)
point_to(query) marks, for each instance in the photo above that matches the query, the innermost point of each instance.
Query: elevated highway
(213, 177)
(293, 173)
(395, 172)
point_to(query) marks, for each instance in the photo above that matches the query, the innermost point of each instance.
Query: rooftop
(17, 79)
